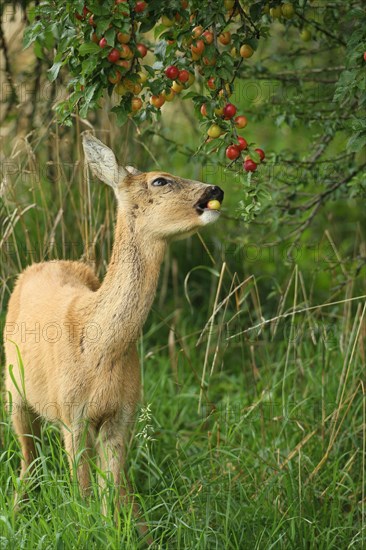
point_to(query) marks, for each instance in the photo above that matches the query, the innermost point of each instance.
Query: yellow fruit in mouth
(214, 205)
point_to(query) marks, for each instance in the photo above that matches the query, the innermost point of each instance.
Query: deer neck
(123, 301)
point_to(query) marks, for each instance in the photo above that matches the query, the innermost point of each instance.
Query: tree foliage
(305, 57)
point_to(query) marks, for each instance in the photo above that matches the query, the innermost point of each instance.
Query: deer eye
(160, 181)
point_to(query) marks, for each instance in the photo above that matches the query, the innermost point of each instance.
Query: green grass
(241, 473)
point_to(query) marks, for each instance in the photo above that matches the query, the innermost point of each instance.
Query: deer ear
(102, 160)
(132, 170)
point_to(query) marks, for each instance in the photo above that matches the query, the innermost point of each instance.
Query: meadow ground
(273, 458)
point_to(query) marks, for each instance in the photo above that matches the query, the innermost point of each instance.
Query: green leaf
(110, 36)
(88, 97)
(88, 65)
(121, 114)
(88, 48)
(54, 70)
(356, 142)
(225, 73)
(147, 25)
(149, 70)
(256, 10)
(102, 26)
(38, 49)
(160, 49)
(32, 33)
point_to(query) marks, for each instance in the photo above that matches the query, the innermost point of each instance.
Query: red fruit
(124, 63)
(183, 76)
(115, 79)
(140, 7)
(91, 21)
(85, 11)
(136, 104)
(203, 109)
(225, 38)
(233, 152)
(260, 153)
(198, 47)
(249, 165)
(229, 110)
(78, 16)
(211, 83)
(157, 100)
(197, 31)
(103, 42)
(364, 56)
(113, 55)
(172, 72)
(242, 143)
(142, 49)
(125, 51)
(241, 121)
(208, 36)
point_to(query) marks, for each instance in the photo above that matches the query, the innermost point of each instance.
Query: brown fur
(77, 337)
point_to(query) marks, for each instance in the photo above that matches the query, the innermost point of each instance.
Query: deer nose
(216, 193)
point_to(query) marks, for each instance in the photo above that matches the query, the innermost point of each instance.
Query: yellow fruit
(275, 13)
(124, 37)
(219, 111)
(177, 87)
(214, 205)
(288, 10)
(305, 35)
(142, 78)
(246, 51)
(227, 92)
(129, 85)
(214, 131)
(229, 4)
(190, 80)
(120, 89)
(170, 96)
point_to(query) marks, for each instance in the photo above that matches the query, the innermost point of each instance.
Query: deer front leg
(28, 429)
(112, 455)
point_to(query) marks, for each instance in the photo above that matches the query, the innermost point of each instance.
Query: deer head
(163, 205)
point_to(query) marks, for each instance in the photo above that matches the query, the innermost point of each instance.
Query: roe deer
(90, 383)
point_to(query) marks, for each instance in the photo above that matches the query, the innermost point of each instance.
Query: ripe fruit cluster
(234, 150)
(119, 54)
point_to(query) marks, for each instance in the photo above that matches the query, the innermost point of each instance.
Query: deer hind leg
(27, 427)
(111, 448)
(78, 442)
